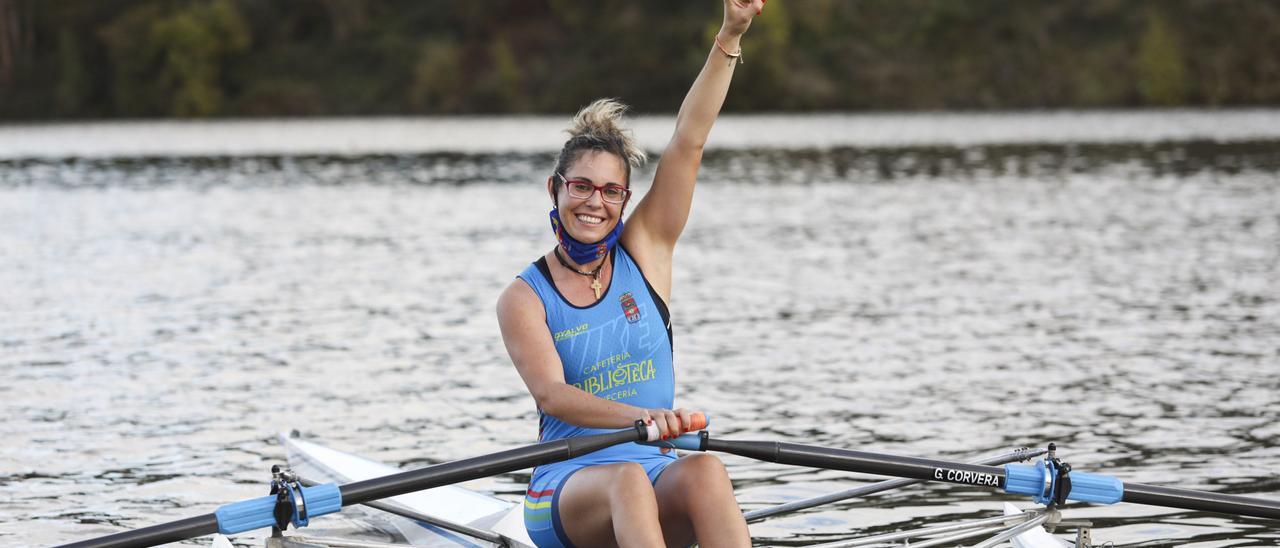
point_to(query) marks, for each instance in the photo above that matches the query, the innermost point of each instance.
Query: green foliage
(500, 88)
(1162, 74)
(134, 61)
(168, 61)
(130, 58)
(768, 78)
(280, 97)
(72, 88)
(436, 86)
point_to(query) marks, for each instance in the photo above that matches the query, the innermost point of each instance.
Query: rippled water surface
(163, 318)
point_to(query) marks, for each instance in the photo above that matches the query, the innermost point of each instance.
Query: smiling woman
(597, 158)
(587, 327)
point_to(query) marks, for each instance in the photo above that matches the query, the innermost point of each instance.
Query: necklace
(595, 274)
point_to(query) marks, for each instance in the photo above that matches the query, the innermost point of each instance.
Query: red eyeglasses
(582, 189)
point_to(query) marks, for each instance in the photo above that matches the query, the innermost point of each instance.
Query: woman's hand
(670, 423)
(738, 15)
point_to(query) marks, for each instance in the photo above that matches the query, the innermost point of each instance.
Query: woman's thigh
(694, 483)
(592, 496)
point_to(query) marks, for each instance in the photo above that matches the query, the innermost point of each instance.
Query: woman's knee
(697, 476)
(629, 480)
(703, 471)
(706, 464)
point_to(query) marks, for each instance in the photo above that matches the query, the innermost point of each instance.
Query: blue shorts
(542, 501)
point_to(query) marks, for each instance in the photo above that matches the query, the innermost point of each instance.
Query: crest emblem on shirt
(629, 307)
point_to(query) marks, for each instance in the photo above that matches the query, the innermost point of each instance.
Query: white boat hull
(449, 503)
(1034, 538)
(463, 506)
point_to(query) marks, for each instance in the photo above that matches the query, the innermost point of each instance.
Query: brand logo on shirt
(629, 307)
(571, 332)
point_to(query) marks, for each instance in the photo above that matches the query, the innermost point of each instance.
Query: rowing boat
(456, 514)
(432, 510)
(452, 516)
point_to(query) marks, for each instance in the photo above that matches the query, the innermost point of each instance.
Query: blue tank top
(618, 348)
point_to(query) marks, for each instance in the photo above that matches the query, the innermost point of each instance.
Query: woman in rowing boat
(588, 329)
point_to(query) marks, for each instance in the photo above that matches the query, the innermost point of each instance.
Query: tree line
(69, 59)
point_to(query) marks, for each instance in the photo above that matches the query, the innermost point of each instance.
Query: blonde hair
(598, 126)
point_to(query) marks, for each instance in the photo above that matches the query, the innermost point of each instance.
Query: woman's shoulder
(654, 265)
(637, 247)
(524, 289)
(518, 298)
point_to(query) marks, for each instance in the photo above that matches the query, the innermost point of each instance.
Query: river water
(171, 297)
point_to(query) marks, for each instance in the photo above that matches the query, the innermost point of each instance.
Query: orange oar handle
(697, 421)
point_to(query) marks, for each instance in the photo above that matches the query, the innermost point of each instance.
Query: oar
(329, 498)
(1044, 480)
(1020, 454)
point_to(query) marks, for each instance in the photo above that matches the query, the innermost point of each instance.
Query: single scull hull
(450, 503)
(463, 506)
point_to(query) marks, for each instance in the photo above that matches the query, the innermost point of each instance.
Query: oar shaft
(479, 467)
(1191, 499)
(155, 535)
(862, 461)
(989, 476)
(257, 512)
(886, 485)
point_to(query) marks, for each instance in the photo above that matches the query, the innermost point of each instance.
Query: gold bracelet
(735, 55)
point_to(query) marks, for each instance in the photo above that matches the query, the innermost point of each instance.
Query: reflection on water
(163, 318)
(543, 134)
(752, 166)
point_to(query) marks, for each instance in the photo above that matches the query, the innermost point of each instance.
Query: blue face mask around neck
(583, 253)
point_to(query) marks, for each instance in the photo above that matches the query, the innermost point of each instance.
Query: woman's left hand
(738, 15)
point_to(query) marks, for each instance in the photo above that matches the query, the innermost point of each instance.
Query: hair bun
(602, 117)
(598, 126)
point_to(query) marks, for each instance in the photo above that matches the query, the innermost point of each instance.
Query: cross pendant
(595, 285)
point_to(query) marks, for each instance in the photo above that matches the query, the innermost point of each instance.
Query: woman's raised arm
(658, 220)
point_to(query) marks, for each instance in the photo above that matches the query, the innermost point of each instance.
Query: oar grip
(697, 421)
(693, 441)
(651, 432)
